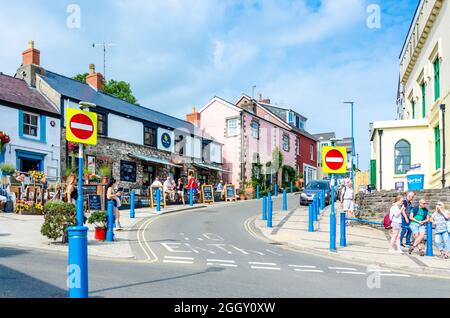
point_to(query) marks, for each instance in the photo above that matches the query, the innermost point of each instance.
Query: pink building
(248, 136)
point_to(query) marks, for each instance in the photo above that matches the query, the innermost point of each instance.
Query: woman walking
(112, 195)
(71, 189)
(440, 218)
(395, 215)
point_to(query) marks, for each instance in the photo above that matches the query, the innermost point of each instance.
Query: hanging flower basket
(4, 139)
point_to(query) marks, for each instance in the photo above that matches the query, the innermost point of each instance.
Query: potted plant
(105, 173)
(242, 195)
(100, 221)
(58, 217)
(7, 169)
(4, 139)
(93, 178)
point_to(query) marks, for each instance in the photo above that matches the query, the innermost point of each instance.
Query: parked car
(313, 188)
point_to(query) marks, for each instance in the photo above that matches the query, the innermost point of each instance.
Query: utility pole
(104, 45)
(443, 145)
(353, 143)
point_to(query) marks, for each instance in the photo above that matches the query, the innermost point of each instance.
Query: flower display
(4, 139)
(71, 146)
(37, 175)
(22, 206)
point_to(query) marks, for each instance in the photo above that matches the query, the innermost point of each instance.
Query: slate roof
(17, 91)
(83, 92)
(325, 136)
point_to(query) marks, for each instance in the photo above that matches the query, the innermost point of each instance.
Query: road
(210, 252)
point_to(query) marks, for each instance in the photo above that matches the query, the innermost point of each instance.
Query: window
(297, 122)
(286, 143)
(424, 102)
(302, 125)
(311, 152)
(101, 124)
(255, 129)
(437, 147)
(437, 79)
(232, 127)
(149, 136)
(413, 107)
(402, 157)
(30, 125)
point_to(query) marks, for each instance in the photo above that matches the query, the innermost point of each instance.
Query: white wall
(125, 129)
(51, 148)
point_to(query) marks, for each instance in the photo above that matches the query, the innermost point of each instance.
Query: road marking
(213, 237)
(273, 252)
(177, 262)
(396, 275)
(174, 247)
(379, 270)
(240, 250)
(302, 266)
(180, 258)
(343, 268)
(268, 268)
(258, 263)
(224, 265)
(186, 238)
(351, 273)
(143, 241)
(200, 239)
(221, 247)
(308, 270)
(219, 261)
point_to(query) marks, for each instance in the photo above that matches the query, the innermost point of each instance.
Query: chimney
(94, 79)
(31, 55)
(194, 117)
(265, 101)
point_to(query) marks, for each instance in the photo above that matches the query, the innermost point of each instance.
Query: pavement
(24, 231)
(366, 244)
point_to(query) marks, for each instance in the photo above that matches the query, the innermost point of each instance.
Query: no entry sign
(81, 126)
(334, 159)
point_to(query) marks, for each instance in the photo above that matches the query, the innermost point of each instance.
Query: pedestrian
(157, 183)
(111, 195)
(440, 218)
(192, 184)
(407, 203)
(71, 189)
(418, 217)
(180, 190)
(220, 189)
(168, 189)
(348, 201)
(395, 215)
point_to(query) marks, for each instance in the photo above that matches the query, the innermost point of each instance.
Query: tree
(119, 89)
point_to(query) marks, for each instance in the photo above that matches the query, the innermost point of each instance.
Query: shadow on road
(209, 270)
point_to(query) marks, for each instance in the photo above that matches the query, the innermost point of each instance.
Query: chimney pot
(31, 55)
(194, 117)
(94, 79)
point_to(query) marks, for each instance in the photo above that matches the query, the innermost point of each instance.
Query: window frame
(153, 129)
(437, 147)
(228, 121)
(37, 126)
(104, 124)
(252, 129)
(396, 146)
(437, 78)
(287, 138)
(424, 99)
(311, 152)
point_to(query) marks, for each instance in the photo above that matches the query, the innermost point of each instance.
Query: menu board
(154, 196)
(94, 203)
(127, 171)
(89, 190)
(207, 193)
(230, 192)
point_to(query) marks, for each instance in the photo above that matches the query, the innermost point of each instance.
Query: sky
(307, 55)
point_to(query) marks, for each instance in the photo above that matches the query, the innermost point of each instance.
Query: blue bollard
(332, 223)
(269, 212)
(292, 187)
(158, 200)
(257, 192)
(323, 200)
(276, 190)
(429, 239)
(77, 271)
(343, 240)
(310, 219)
(80, 199)
(285, 208)
(191, 197)
(264, 208)
(132, 214)
(110, 229)
(314, 209)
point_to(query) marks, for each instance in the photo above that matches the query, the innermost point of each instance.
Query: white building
(33, 126)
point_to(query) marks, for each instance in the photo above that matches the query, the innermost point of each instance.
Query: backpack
(387, 221)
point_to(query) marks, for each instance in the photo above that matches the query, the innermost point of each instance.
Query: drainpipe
(443, 145)
(242, 151)
(380, 133)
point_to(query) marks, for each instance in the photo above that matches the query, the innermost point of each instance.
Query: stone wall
(376, 205)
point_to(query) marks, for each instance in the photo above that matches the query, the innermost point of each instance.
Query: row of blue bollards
(267, 207)
(258, 190)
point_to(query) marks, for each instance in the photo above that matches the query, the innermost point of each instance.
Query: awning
(209, 167)
(152, 159)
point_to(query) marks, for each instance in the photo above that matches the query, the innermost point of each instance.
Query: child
(440, 219)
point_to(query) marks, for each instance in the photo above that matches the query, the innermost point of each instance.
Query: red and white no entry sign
(334, 159)
(82, 126)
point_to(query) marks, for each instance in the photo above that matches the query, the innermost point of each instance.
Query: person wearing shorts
(348, 201)
(418, 217)
(395, 215)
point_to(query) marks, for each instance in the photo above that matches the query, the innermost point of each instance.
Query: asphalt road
(209, 252)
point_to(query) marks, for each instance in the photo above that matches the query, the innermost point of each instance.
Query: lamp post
(443, 145)
(353, 142)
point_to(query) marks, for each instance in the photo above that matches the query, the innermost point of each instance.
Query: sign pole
(80, 205)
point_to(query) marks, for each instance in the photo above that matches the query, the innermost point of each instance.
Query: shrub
(59, 215)
(99, 219)
(7, 169)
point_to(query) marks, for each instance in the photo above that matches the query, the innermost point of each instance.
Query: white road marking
(172, 246)
(180, 258)
(200, 239)
(186, 238)
(213, 237)
(199, 248)
(343, 268)
(219, 261)
(177, 262)
(379, 270)
(351, 273)
(258, 263)
(395, 275)
(308, 270)
(302, 266)
(273, 252)
(239, 249)
(268, 268)
(225, 265)
(221, 247)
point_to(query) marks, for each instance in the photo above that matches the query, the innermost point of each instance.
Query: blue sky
(310, 55)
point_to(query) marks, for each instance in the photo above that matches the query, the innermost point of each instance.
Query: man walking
(407, 203)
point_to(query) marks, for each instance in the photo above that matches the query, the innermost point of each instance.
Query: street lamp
(353, 142)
